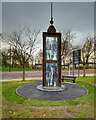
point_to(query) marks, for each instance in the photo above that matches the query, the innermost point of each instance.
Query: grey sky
(78, 16)
(0, 17)
(47, 0)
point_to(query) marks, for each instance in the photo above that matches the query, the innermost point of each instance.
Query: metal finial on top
(51, 28)
(51, 22)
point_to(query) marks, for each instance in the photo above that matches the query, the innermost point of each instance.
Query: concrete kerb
(33, 78)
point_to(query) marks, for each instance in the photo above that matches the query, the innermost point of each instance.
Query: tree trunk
(84, 70)
(75, 66)
(32, 64)
(87, 65)
(23, 72)
(63, 63)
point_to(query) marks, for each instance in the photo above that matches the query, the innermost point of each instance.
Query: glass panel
(51, 74)
(51, 48)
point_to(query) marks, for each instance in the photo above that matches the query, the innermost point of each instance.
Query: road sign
(77, 56)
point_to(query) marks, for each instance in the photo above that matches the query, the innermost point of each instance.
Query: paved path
(36, 75)
(72, 91)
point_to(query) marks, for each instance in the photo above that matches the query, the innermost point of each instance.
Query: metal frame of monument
(51, 57)
(58, 61)
(51, 60)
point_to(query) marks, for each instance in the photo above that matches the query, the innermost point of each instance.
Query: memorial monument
(51, 58)
(48, 89)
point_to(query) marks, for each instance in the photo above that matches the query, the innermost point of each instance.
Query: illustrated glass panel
(51, 74)
(51, 48)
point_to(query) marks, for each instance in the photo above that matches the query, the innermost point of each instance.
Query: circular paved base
(39, 87)
(72, 91)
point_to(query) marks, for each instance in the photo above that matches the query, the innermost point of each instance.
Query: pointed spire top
(51, 28)
(51, 21)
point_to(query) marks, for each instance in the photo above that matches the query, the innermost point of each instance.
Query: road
(37, 75)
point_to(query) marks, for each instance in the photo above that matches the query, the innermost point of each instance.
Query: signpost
(76, 59)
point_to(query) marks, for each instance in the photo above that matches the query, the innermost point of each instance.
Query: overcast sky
(79, 16)
(47, 0)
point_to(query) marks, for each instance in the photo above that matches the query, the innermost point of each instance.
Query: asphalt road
(37, 75)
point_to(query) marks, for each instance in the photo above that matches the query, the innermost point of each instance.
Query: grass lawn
(88, 79)
(4, 69)
(15, 106)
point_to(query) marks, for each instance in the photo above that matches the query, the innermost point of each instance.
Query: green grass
(87, 79)
(15, 106)
(4, 69)
(9, 92)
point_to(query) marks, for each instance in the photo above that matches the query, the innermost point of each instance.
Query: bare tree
(67, 40)
(0, 49)
(95, 53)
(31, 61)
(87, 50)
(5, 58)
(14, 58)
(24, 41)
(39, 56)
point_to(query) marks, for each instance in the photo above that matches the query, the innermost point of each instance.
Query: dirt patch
(51, 108)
